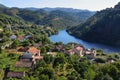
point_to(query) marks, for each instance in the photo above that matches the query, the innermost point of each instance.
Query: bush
(100, 60)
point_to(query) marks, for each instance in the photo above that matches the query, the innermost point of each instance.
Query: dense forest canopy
(103, 27)
(57, 18)
(22, 29)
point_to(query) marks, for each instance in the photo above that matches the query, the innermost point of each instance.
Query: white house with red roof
(90, 53)
(33, 53)
(78, 50)
(21, 38)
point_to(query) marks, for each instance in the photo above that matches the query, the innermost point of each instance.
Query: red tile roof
(21, 37)
(71, 51)
(79, 48)
(33, 50)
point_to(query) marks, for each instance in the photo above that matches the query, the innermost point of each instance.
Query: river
(65, 38)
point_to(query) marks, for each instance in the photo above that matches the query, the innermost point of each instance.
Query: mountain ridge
(57, 18)
(103, 27)
(58, 8)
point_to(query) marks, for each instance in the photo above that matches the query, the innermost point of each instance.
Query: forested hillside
(26, 53)
(103, 27)
(77, 14)
(59, 19)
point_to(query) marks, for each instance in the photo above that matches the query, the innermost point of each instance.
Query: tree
(43, 50)
(107, 77)
(48, 59)
(15, 44)
(61, 78)
(34, 78)
(89, 74)
(59, 60)
(48, 71)
(99, 76)
(25, 78)
(1, 50)
(26, 43)
(81, 67)
(113, 71)
(1, 74)
(45, 71)
(48, 48)
(13, 79)
(43, 77)
(100, 60)
(40, 63)
(71, 77)
(74, 75)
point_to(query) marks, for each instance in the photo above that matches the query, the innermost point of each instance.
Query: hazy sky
(78, 4)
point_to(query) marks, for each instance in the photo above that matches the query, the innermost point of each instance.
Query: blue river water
(65, 38)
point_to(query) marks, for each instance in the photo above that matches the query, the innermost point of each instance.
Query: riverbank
(65, 38)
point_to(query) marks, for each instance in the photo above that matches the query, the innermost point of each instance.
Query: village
(59, 40)
(30, 53)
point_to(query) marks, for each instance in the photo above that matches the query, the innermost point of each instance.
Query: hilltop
(58, 18)
(103, 27)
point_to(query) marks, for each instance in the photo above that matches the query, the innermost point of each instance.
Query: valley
(65, 38)
(59, 43)
(103, 27)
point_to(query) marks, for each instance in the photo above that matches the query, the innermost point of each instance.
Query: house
(27, 36)
(110, 61)
(1, 39)
(1, 30)
(6, 45)
(21, 38)
(15, 31)
(59, 48)
(22, 49)
(51, 53)
(37, 45)
(90, 53)
(8, 26)
(37, 58)
(15, 74)
(32, 53)
(78, 50)
(26, 63)
(28, 59)
(70, 51)
(13, 37)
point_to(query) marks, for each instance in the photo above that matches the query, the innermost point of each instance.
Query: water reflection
(64, 37)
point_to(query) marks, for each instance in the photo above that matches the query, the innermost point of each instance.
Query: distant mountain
(58, 8)
(103, 27)
(66, 10)
(31, 8)
(117, 6)
(2, 6)
(59, 18)
(79, 15)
